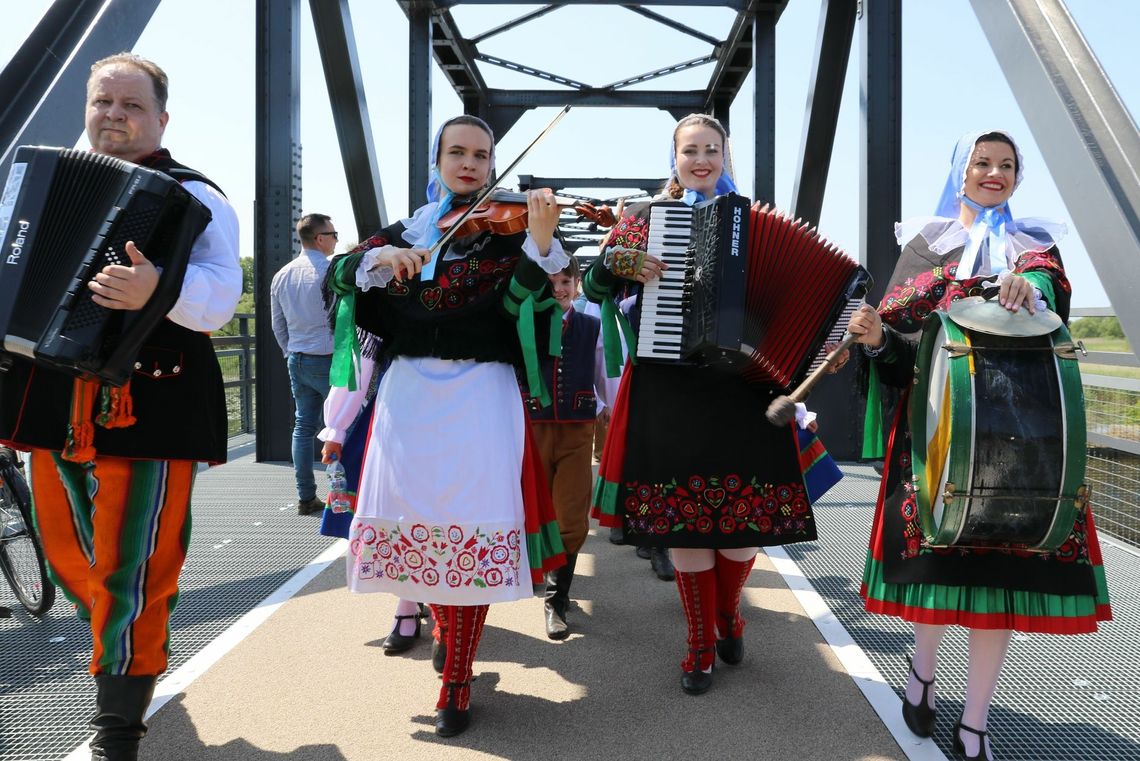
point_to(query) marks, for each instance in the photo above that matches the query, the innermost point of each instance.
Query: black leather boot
(120, 703)
(558, 598)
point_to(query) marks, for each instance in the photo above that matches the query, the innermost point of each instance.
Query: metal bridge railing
(1112, 412)
(1112, 409)
(235, 355)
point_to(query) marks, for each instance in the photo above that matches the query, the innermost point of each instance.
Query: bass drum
(997, 437)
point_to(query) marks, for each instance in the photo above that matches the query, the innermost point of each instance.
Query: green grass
(1111, 370)
(1106, 344)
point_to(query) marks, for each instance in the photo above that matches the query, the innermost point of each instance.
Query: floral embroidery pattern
(906, 304)
(376, 241)
(1074, 550)
(459, 282)
(717, 504)
(630, 232)
(451, 556)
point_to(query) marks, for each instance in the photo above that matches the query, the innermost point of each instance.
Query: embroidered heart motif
(714, 496)
(901, 298)
(397, 288)
(430, 297)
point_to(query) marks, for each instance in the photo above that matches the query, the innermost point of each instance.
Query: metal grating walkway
(1071, 698)
(247, 541)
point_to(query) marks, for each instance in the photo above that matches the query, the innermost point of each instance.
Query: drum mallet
(782, 410)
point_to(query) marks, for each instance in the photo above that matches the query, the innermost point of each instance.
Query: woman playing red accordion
(690, 463)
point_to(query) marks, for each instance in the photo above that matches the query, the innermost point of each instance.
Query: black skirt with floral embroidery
(699, 464)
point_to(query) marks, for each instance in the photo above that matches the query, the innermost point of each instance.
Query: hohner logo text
(736, 222)
(18, 243)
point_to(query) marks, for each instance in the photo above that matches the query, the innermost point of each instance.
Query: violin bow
(494, 186)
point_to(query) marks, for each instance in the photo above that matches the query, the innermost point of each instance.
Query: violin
(505, 213)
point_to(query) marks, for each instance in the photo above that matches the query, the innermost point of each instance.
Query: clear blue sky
(951, 84)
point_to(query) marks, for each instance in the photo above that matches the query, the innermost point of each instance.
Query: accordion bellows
(790, 323)
(748, 289)
(64, 216)
(753, 291)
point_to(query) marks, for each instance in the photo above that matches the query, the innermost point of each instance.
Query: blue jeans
(309, 377)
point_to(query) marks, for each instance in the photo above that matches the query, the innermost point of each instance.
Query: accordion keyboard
(663, 301)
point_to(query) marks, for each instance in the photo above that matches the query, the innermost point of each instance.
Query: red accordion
(748, 290)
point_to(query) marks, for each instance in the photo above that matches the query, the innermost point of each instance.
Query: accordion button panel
(662, 301)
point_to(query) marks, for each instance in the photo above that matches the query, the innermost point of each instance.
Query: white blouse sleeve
(342, 406)
(368, 275)
(555, 260)
(212, 286)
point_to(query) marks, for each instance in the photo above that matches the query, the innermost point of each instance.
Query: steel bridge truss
(1087, 136)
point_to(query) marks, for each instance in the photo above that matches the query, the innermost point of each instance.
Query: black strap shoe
(960, 747)
(920, 718)
(730, 649)
(450, 721)
(697, 681)
(395, 642)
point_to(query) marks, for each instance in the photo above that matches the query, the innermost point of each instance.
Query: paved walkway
(312, 683)
(275, 660)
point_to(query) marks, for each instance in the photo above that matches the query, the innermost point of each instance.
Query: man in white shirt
(303, 333)
(111, 482)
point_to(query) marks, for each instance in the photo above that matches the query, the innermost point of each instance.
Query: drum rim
(961, 438)
(1043, 323)
(1073, 488)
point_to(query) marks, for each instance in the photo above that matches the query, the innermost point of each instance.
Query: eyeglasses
(334, 233)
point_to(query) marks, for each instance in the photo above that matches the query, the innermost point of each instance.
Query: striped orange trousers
(115, 533)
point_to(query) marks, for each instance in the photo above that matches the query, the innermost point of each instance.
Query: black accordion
(747, 290)
(64, 216)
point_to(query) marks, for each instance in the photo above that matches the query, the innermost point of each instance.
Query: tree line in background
(245, 303)
(1096, 327)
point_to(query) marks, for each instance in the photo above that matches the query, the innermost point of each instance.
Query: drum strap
(873, 417)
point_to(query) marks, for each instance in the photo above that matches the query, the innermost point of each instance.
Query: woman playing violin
(452, 508)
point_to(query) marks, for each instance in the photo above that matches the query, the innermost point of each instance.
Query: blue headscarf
(989, 234)
(995, 238)
(724, 183)
(420, 229)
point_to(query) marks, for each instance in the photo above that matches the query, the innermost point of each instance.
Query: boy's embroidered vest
(570, 377)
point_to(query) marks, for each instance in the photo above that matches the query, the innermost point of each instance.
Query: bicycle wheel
(21, 557)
